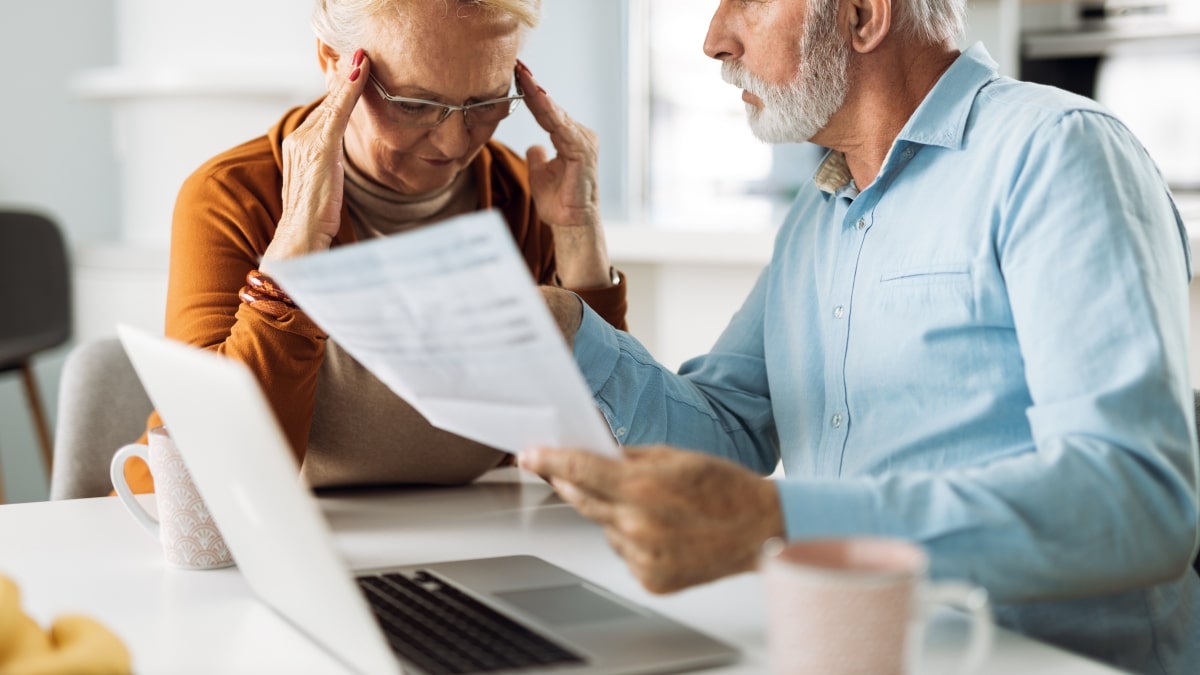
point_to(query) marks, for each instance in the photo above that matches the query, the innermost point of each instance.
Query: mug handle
(116, 471)
(974, 601)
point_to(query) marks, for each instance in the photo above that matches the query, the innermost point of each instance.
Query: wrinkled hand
(678, 518)
(566, 189)
(567, 310)
(312, 169)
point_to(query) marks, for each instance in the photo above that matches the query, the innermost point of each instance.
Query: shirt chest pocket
(935, 291)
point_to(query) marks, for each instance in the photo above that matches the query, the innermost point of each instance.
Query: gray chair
(101, 407)
(35, 301)
(1196, 398)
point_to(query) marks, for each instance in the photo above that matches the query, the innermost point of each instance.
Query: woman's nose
(452, 137)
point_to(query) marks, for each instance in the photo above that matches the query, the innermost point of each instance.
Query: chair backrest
(35, 287)
(101, 407)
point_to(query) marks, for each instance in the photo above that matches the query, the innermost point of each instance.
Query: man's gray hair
(929, 21)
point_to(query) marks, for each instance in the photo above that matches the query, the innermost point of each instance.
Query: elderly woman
(402, 139)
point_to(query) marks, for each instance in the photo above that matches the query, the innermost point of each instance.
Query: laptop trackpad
(566, 605)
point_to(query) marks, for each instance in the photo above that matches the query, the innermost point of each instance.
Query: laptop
(510, 614)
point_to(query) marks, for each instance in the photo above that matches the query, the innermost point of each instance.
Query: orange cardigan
(225, 216)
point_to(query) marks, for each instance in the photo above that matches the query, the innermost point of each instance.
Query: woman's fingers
(565, 133)
(339, 103)
(312, 167)
(565, 186)
(536, 157)
(545, 111)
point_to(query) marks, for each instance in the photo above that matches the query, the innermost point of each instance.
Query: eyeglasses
(422, 114)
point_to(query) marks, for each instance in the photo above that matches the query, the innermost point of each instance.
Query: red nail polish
(524, 68)
(358, 57)
(355, 73)
(542, 89)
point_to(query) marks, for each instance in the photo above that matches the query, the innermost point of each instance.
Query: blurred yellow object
(75, 645)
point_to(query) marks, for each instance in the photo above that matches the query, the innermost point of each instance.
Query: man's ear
(868, 22)
(327, 56)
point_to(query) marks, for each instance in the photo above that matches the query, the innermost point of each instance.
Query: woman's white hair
(344, 24)
(931, 21)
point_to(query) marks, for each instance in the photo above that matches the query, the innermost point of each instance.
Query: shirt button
(839, 312)
(621, 432)
(861, 224)
(908, 153)
(836, 421)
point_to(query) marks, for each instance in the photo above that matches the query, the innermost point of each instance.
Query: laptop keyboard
(440, 629)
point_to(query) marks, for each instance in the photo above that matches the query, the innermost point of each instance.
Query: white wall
(56, 149)
(55, 156)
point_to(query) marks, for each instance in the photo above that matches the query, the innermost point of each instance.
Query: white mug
(189, 537)
(859, 605)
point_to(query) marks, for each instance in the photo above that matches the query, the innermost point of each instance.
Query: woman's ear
(869, 22)
(327, 56)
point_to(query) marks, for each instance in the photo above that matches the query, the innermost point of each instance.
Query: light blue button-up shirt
(985, 350)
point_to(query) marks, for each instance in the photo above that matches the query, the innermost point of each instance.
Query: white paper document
(449, 318)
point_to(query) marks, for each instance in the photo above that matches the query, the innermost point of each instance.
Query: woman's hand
(312, 170)
(566, 189)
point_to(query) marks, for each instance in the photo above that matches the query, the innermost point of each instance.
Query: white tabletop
(89, 556)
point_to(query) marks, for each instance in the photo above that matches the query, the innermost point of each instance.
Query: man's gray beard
(794, 113)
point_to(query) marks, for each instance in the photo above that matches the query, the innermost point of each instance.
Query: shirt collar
(941, 119)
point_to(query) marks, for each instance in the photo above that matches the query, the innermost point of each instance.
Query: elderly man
(972, 333)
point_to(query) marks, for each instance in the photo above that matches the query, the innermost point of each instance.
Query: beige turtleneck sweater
(362, 432)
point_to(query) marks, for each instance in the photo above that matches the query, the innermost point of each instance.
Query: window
(676, 151)
(703, 167)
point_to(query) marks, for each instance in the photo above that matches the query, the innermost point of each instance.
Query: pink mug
(189, 537)
(859, 606)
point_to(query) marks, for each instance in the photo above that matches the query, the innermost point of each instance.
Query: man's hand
(567, 310)
(678, 518)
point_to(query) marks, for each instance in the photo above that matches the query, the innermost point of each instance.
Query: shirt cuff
(610, 303)
(596, 349)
